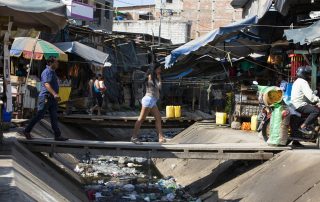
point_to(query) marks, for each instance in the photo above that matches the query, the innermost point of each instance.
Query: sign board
(79, 10)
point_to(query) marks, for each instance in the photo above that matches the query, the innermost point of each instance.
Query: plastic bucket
(221, 118)
(177, 111)
(6, 116)
(170, 111)
(254, 122)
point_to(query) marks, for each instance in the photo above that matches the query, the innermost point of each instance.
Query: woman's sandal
(135, 140)
(162, 140)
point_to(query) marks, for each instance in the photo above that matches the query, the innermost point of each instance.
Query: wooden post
(1, 123)
(199, 105)
(314, 72)
(193, 97)
(6, 68)
(24, 91)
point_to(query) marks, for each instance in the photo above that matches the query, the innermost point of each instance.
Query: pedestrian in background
(91, 94)
(98, 89)
(48, 100)
(149, 103)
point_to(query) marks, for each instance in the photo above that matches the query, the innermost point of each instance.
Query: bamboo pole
(29, 70)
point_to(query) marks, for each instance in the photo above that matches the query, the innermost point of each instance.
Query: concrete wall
(205, 15)
(136, 10)
(177, 31)
(176, 5)
(105, 23)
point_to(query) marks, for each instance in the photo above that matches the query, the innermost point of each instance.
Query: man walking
(47, 100)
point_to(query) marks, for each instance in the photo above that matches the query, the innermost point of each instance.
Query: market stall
(38, 14)
(33, 49)
(84, 62)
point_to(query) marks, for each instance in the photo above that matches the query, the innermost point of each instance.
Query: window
(97, 14)
(82, 1)
(107, 11)
(169, 1)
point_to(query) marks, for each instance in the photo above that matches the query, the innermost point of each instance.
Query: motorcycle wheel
(266, 130)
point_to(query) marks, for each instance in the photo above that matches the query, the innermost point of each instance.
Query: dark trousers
(45, 104)
(99, 98)
(313, 112)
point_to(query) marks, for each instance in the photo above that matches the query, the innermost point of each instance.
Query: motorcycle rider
(303, 98)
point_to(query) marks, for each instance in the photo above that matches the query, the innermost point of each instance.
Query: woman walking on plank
(149, 103)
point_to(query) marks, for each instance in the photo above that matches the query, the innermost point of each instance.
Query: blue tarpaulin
(182, 74)
(305, 35)
(212, 37)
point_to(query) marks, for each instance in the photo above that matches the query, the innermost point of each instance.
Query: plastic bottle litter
(125, 179)
(128, 187)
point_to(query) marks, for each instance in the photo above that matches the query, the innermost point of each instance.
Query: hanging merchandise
(274, 59)
(245, 67)
(297, 61)
(74, 71)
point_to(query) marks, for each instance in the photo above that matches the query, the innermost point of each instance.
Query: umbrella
(24, 46)
(38, 14)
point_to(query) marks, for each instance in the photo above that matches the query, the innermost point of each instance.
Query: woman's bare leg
(157, 116)
(143, 114)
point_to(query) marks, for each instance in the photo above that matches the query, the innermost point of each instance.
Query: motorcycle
(293, 122)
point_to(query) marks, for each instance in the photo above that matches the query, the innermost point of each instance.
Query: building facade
(182, 20)
(95, 13)
(205, 15)
(144, 19)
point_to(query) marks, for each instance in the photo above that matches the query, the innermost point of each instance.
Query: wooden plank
(123, 123)
(248, 151)
(157, 146)
(134, 118)
(155, 153)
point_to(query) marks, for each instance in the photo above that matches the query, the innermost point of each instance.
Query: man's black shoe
(60, 138)
(297, 144)
(305, 131)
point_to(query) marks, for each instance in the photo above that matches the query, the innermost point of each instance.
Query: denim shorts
(149, 102)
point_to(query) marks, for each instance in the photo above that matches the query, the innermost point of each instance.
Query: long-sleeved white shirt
(302, 94)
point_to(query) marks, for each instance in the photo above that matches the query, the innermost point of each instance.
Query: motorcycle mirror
(255, 82)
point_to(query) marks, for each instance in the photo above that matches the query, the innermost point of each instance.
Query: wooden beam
(124, 122)
(244, 151)
(314, 72)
